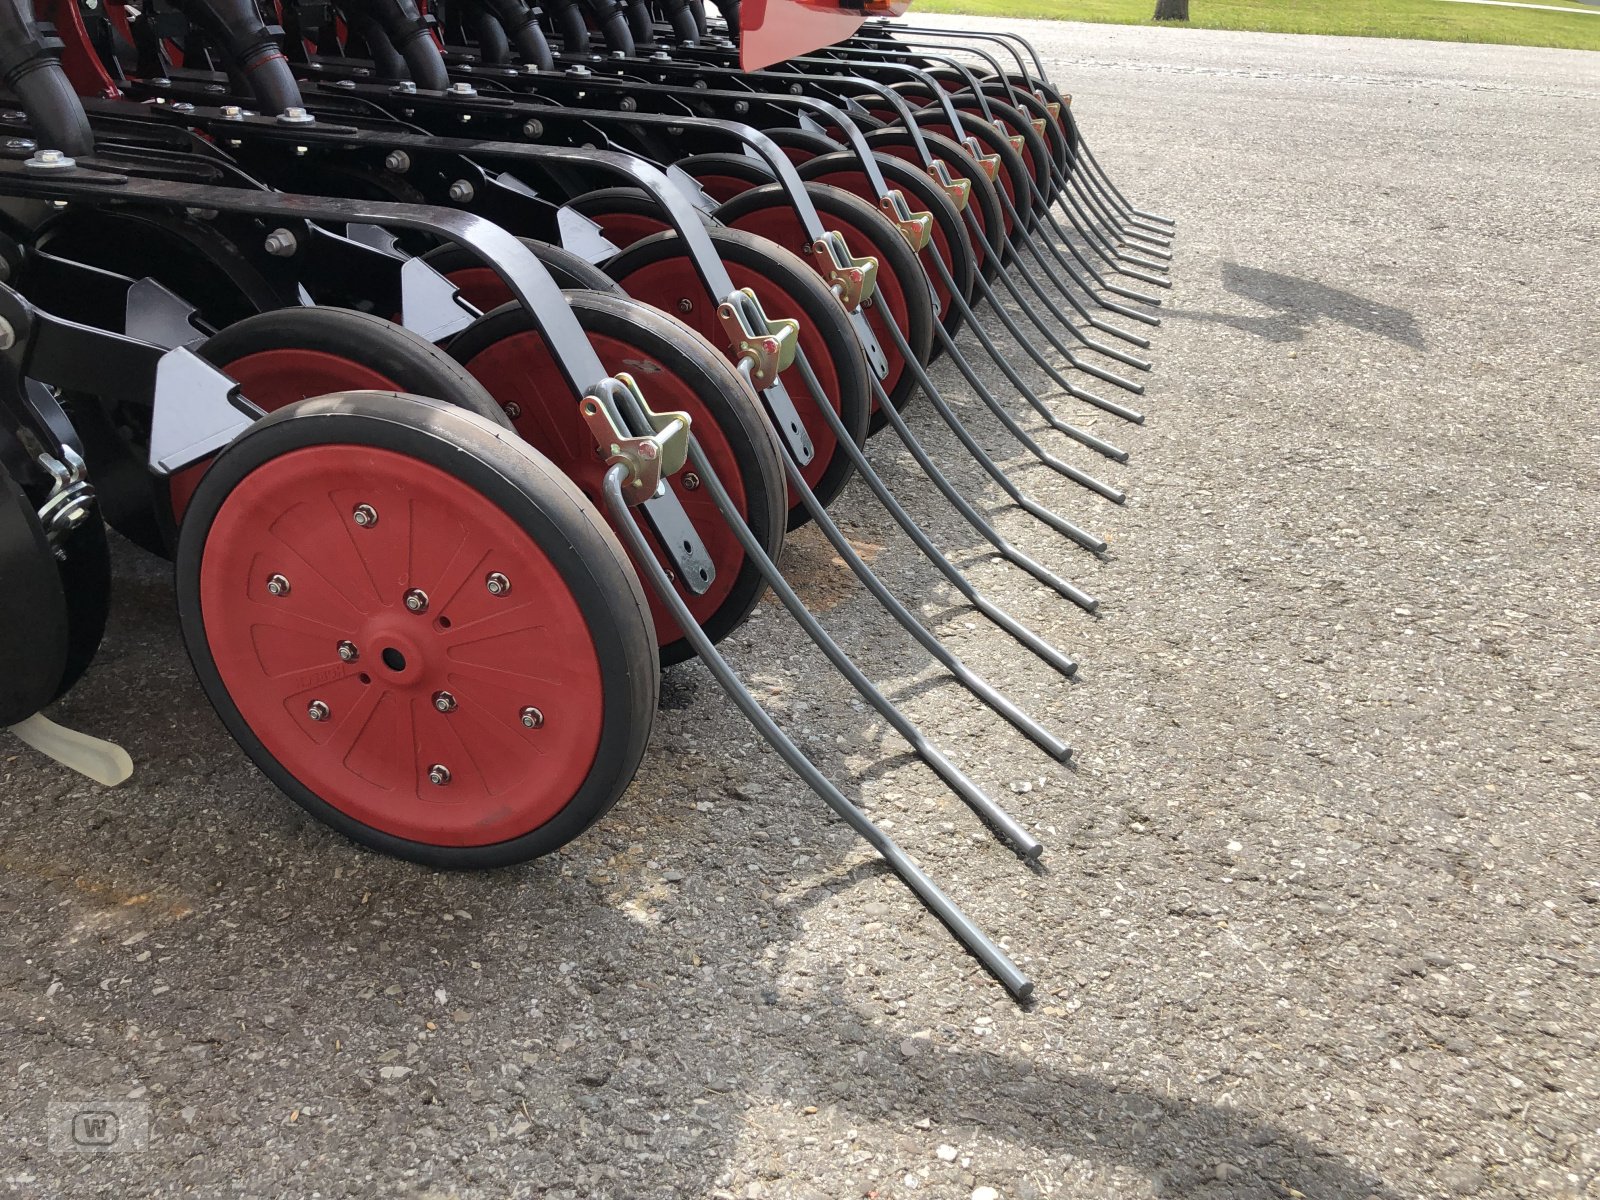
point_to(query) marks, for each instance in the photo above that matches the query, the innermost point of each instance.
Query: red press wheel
(280, 357)
(722, 175)
(902, 288)
(417, 628)
(949, 243)
(657, 271)
(678, 371)
(625, 215)
(482, 287)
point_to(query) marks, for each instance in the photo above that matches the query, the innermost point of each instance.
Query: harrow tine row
(647, 308)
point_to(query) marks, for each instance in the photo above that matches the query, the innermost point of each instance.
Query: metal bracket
(1040, 125)
(431, 306)
(71, 498)
(916, 228)
(198, 411)
(959, 191)
(649, 459)
(160, 316)
(989, 162)
(1018, 142)
(852, 279)
(770, 345)
(584, 237)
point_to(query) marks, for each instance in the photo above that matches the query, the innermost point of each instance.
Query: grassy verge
(1424, 19)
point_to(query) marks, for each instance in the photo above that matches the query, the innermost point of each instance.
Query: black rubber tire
(625, 202)
(804, 142)
(34, 628)
(751, 172)
(736, 411)
(818, 309)
(520, 482)
(895, 258)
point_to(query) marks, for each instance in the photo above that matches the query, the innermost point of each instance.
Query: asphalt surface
(1319, 908)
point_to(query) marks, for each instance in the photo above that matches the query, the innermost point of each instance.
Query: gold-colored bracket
(916, 228)
(853, 280)
(958, 190)
(769, 345)
(1017, 142)
(1040, 125)
(649, 459)
(990, 163)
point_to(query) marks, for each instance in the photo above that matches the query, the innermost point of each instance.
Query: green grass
(1426, 19)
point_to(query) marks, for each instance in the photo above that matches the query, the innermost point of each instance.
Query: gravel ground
(1319, 907)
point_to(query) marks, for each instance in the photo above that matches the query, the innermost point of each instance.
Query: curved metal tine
(1024, 843)
(1088, 317)
(1107, 254)
(977, 943)
(974, 518)
(1082, 436)
(1089, 541)
(1157, 248)
(1088, 343)
(969, 679)
(1055, 658)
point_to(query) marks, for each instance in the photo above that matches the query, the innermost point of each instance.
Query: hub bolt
(317, 710)
(277, 585)
(444, 702)
(532, 718)
(365, 516)
(686, 305)
(417, 601)
(513, 410)
(438, 775)
(497, 584)
(691, 481)
(348, 652)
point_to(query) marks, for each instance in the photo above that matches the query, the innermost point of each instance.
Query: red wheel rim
(625, 228)
(671, 283)
(781, 224)
(383, 732)
(857, 184)
(980, 245)
(274, 379)
(519, 369)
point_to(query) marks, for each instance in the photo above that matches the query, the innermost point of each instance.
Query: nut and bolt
(513, 410)
(295, 116)
(691, 481)
(8, 335)
(463, 89)
(50, 160)
(397, 161)
(685, 305)
(348, 652)
(417, 601)
(277, 585)
(364, 515)
(317, 710)
(444, 702)
(497, 584)
(281, 243)
(461, 191)
(532, 718)
(533, 129)
(438, 775)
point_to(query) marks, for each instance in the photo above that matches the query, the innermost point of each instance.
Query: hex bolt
(317, 710)
(444, 702)
(686, 305)
(691, 481)
(348, 652)
(50, 160)
(281, 243)
(461, 191)
(513, 410)
(463, 89)
(438, 775)
(497, 584)
(364, 515)
(8, 335)
(397, 161)
(233, 112)
(277, 585)
(417, 600)
(532, 718)
(533, 129)
(295, 116)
